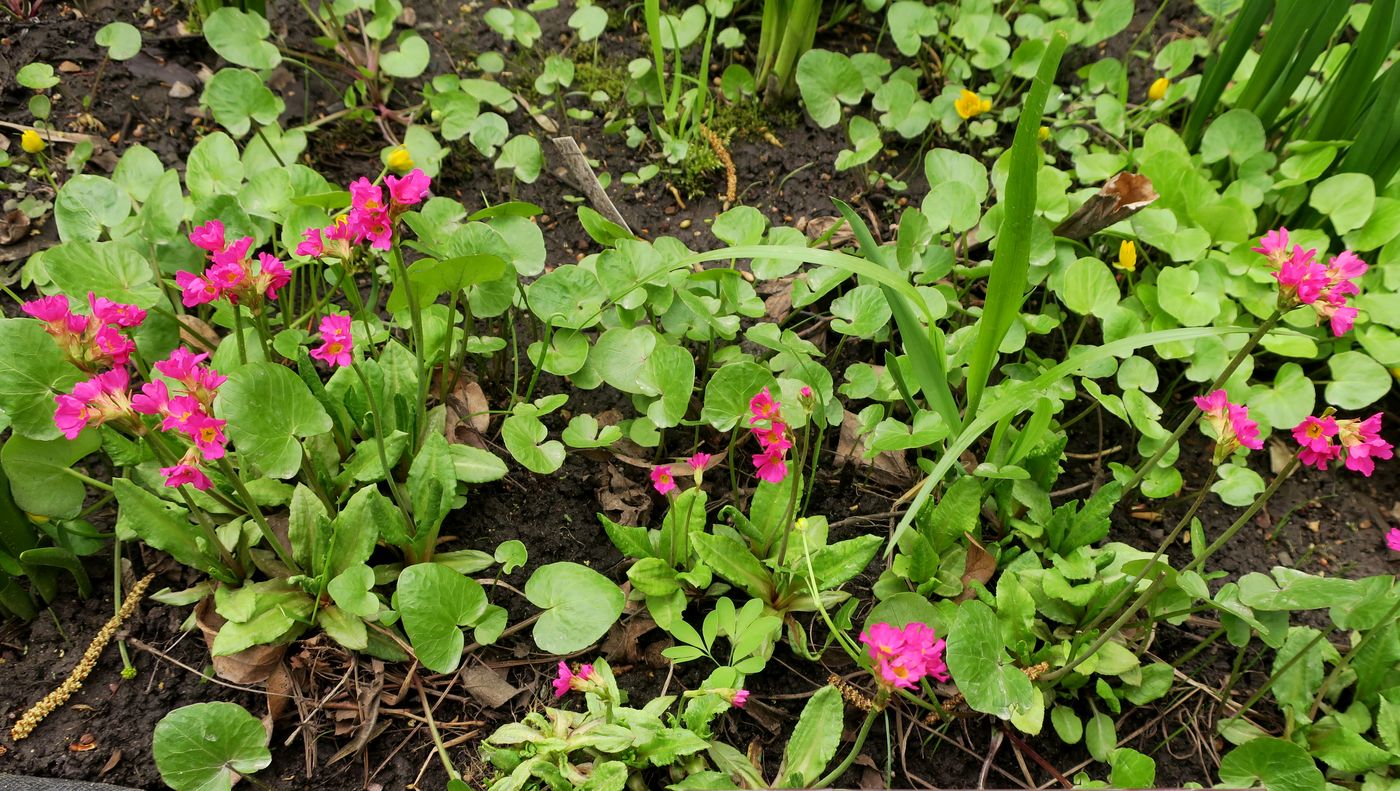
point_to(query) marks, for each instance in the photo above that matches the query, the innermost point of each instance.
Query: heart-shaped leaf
(204, 746)
(268, 437)
(579, 606)
(435, 602)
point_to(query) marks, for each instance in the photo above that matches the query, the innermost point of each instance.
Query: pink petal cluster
(766, 423)
(568, 679)
(336, 341)
(1230, 425)
(662, 479)
(1357, 442)
(371, 218)
(188, 411)
(92, 342)
(739, 697)
(905, 656)
(1392, 539)
(1305, 281)
(104, 398)
(231, 274)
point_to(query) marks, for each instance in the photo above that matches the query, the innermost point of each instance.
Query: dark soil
(1331, 523)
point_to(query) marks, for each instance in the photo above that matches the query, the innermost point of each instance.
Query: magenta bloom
(336, 341)
(1274, 244)
(272, 275)
(182, 414)
(567, 679)
(1229, 423)
(53, 310)
(739, 698)
(774, 438)
(228, 277)
(1301, 277)
(805, 392)
(181, 364)
(1315, 436)
(111, 343)
(311, 244)
(195, 290)
(905, 656)
(235, 253)
(371, 226)
(1304, 281)
(762, 407)
(109, 312)
(1392, 539)
(187, 471)
(98, 400)
(408, 190)
(662, 479)
(153, 399)
(209, 236)
(208, 435)
(770, 466)
(1362, 444)
(699, 461)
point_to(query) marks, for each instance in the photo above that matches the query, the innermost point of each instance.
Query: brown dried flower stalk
(731, 178)
(54, 700)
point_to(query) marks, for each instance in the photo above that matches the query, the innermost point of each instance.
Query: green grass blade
(1340, 107)
(1006, 285)
(1291, 24)
(1377, 147)
(1025, 395)
(925, 347)
(1319, 37)
(1222, 66)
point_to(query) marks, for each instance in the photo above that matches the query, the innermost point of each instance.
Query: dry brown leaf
(252, 666)
(112, 761)
(488, 686)
(624, 500)
(1122, 196)
(623, 644)
(468, 415)
(886, 469)
(980, 566)
(193, 328)
(14, 226)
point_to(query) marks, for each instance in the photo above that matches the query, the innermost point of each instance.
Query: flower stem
(238, 333)
(251, 506)
(384, 458)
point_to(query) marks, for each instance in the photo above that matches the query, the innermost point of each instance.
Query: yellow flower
(31, 142)
(1043, 133)
(970, 104)
(400, 160)
(1127, 256)
(1158, 89)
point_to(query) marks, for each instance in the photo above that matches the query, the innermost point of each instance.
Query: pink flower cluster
(104, 398)
(904, 656)
(766, 423)
(1304, 281)
(370, 218)
(336, 341)
(1392, 539)
(569, 680)
(1358, 442)
(231, 274)
(664, 481)
(1230, 423)
(92, 342)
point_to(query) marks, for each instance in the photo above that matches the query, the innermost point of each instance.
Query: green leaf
(37, 76)
(39, 473)
(474, 465)
(980, 665)
(1089, 288)
(579, 604)
(352, 591)
(1346, 199)
(121, 40)
(1131, 769)
(238, 97)
(241, 37)
(814, 739)
(409, 60)
(435, 602)
(1100, 736)
(1236, 134)
(524, 436)
(729, 391)
(32, 371)
(734, 562)
(431, 485)
(522, 156)
(589, 21)
(1238, 485)
(267, 437)
(108, 269)
(1357, 380)
(162, 525)
(86, 204)
(1280, 765)
(1346, 751)
(204, 746)
(827, 80)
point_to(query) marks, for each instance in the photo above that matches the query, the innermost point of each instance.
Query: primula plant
(702, 395)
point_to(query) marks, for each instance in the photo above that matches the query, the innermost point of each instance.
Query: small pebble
(685, 223)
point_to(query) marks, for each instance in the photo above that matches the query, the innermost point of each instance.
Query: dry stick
(84, 668)
(581, 173)
(159, 654)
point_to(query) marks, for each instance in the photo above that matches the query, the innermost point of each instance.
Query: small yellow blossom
(31, 142)
(1158, 89)
(399, 160)
(1043, 133)
(1127, 256)
(970, 104)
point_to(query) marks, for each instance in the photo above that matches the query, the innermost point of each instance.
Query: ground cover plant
(701, 394)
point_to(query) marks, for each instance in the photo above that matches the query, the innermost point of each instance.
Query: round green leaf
(1280, 765)
(39, 473)
(409, 60)
(121, 39)
(435, 602)
(108, 269)
(32, 370)
(728, 394)
(827, 80)
(1347, 199)
(1089, 288)
(240, 37)
(1237, 134)
(203, 746)
(37, 76)
(579, 606)
(522, 156)
(237, 97)
(85, 205)
(1179, 293)
(1357, 380)
(589, 21)
(268, 437)
(981, 667)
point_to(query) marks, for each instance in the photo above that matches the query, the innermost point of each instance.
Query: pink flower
(1315, 437)
(311, 245)
(774, 438)
(53, 310)
(662, 479)
(71, 416)
(567, 679)
(181, 365)
(1301, 279)
(805, 392)
(366, 195)
(903, 657)
(739, 698)
(228, 276)
(195, 290)
(209, 236)
(770, 466)
(98, 400)
(153, 399)
(109, 312)
(336, 341)
(235, 253)
(762, 407)
(182, 413)
(272, 275)
(187, 471)
(1274, 244)
(699, 461)
(111, 343)
(408, 190)
(1392, 539)
(1362, 443)
(208, 435)
(372, 225)
(1230, 425)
